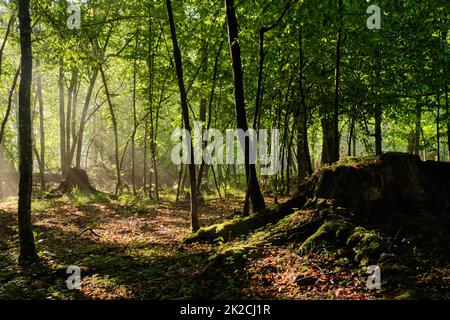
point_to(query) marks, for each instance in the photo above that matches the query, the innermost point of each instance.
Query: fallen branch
(86, 230)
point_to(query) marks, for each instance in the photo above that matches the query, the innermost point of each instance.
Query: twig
(86, 230)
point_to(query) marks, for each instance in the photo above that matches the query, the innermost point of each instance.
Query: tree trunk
(185, 111)
(116, 135)
(5, 39)
(151, 62)
(9, 106)
(27, 244)
(378, 108)
(180, 178)
(62, 121)
(328, 140)
(335, 153)
(87, 101)
(418, 128)
(447, 111)
(144, 179)
(133, 137)
(254, 191)
(73, 129)
(351, 135)
(208, 125)
(70, 95)
(303, 154)
(41, 125)
(438, 124)
(202, 118)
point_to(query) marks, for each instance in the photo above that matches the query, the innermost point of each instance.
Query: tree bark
(195, 225)
(418, 128)
(5, 39)
(73, 129)
(87, 101)
(41, 125)
(27, 244)
(9, 106)
(116, 135)
(254, 190)
(335, 153)
(447, 111)
(208, 125)
(378, 108)
(133, 138)
(151, 62)
(438, 126)
(62, 121)
(351, 135)
(70, 93)
(303, 154)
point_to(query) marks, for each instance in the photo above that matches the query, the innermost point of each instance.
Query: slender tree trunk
(328, 136)
(351, 135)
(27, 244)
(447, 111)
(9, 106)
(73, 129)
(185, 111)
(5, 39)
(69, 118)
(133, 137)
(87, 101)
(378, 108)
(259, 91)
(144, 181)
(303, 154)
(335, 153)
(3, 125)
(116, 135)
(438, 125)
(62, 121)
(208, 125)
(418, 128)
(151, 62)
(202, 119)
(262, 54)
(180, 177)
(41, 125)
(288, 164)
(254, 190)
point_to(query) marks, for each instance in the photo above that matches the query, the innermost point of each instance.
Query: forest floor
(128, 250)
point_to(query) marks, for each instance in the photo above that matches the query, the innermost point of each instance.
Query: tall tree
(378, 108)
(253, 189)
(41, 125)
(116, 134)
(27, 244)
(303, 154)
(335, 156)
(185, 111)
(62, 121)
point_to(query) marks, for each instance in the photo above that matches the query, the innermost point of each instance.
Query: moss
(330, 231)
(395, 270)
(368, 245)
(407, 295)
